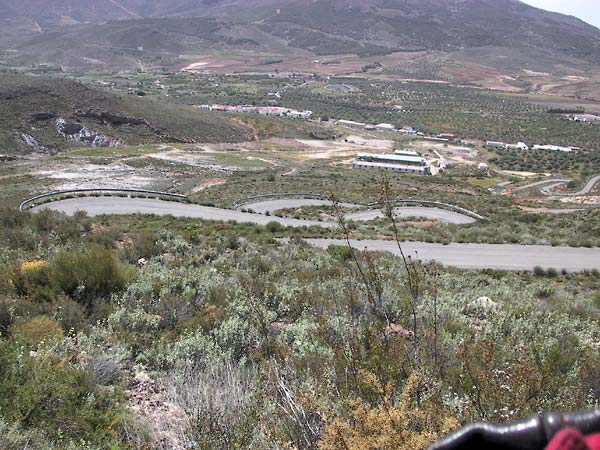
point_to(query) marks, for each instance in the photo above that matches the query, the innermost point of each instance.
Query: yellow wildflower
(33, 265)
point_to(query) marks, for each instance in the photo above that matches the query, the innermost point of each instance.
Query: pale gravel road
(468, 256)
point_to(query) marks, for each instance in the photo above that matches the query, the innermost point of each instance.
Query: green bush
(144, 244)
(44, 392)
(89, 275)
(275, 227)
(341, 252)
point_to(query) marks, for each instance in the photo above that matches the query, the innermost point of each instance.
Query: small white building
(351, 123)
(407, 129)
(518, 146)
(300, 114)
(275, 111)
(495, 144)
(586, 118)
(385, 127)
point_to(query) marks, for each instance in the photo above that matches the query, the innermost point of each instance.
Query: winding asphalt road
(484, 256)
(441, 215)
(585, 190)
(469, 256)
(542, 183)
(432, 213)
(95, 206)
(549, 185)
(271, 206)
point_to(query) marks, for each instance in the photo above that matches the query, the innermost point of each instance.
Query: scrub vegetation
(212, 341)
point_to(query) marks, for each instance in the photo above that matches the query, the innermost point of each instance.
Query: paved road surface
(555, 182)
(442, 215)
(555, 211)
(439, 214)
(476, 256)
(274, 205)
(585, 190)
(541, 183)
(485, 256)
(96, 206)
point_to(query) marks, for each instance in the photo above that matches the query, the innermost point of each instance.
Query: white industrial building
(555, 148)
(495, 144)
(351, 123)
(300, 114)
(518, 146)
(385, 127)
(406, 152)
(394, 163)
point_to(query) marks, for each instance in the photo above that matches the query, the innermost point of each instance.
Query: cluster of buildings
(524, 146)
(444, 137)
(406, 129)
(273, 111)
(403, 161)
(278, 111)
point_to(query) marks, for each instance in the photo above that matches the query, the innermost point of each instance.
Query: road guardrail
(245, 200)
(427, 203)
(432, 203)
(23, 204)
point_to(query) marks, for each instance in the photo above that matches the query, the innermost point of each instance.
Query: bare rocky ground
(193, 159)
(111, 176)
(582, 200)
(165, 421)
(210, 182)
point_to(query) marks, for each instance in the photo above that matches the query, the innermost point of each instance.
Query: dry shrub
(218, 401)
(39, 329)
(388, 426)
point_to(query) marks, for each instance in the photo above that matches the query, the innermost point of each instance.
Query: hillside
(30, 108)
(424, 24)
(75, 33)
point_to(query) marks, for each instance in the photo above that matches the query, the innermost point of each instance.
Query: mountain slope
(322, 27)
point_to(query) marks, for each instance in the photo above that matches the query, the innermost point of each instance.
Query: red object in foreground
(572, 439)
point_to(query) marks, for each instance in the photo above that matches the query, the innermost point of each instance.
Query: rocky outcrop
(34, 145)
(482, 308)
(111, 119)
(76, 132)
